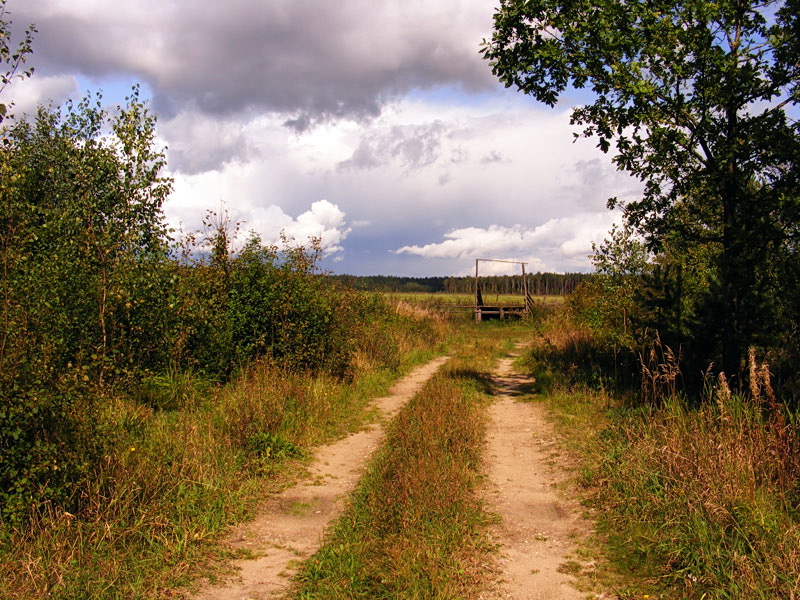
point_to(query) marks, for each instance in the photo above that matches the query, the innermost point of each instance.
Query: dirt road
(537, 526)
(535, 531)
(291, 525)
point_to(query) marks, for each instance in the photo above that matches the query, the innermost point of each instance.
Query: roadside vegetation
(175, 478)
(415, 527)
(695, 496)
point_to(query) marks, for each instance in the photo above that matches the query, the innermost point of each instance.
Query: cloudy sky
(373, 124)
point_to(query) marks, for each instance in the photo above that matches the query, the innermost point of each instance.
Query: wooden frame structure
(485, 312)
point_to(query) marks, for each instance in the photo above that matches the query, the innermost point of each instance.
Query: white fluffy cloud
(559, 244)
(478, 173)
(393, 118)
(323, 221)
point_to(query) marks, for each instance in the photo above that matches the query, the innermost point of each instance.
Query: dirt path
(537, 525)
(291, 524)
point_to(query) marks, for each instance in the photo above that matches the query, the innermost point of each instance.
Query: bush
(50, 440)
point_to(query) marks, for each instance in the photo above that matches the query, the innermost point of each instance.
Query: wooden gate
(484, 311)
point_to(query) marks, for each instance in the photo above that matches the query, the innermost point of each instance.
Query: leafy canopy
(681, 87)
(697, 100)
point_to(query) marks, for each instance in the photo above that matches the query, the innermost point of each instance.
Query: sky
(374, 125)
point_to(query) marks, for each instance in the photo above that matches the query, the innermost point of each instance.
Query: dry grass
(173, 480)
(412, 527)
(707, 498)
(661, 373)
(694, 500)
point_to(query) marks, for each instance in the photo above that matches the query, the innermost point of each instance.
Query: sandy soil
(290, 526)
(538, 525)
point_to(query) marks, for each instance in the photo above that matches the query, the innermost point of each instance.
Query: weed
(268, 446)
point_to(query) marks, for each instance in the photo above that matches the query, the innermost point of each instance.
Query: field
(448, 300)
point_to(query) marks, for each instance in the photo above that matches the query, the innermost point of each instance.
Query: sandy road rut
(290, 526)
(535, 531)
(537, 525)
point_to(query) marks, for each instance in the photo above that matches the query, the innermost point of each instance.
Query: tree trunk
(731, 255)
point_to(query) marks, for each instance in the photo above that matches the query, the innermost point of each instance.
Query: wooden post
(525, 297)
(477, 303)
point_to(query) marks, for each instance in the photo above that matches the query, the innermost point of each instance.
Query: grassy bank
(693, 499)
(175, 478)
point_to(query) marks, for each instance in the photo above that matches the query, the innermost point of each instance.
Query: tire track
(291, 525)
(537, 526)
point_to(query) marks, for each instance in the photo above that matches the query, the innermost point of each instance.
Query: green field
(445, 299)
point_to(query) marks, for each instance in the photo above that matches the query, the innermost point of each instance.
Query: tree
(82, 229)
(12, 58)
(694, 96)
(85, 282)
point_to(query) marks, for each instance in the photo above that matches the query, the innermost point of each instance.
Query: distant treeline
(557, 284)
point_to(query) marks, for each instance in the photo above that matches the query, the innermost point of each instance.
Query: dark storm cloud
(413, 146)
(199, 144)
(312, 60)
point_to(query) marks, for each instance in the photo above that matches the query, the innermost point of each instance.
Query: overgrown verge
(170, 480)
(414, 525)
(148, 383)
(694, 498)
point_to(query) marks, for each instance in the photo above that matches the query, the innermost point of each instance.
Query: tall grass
(414, 525)
(172, 480)
(695, 499)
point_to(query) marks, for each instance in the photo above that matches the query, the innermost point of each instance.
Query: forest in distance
(539, 284)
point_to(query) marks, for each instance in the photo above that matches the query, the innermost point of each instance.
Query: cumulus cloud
(312, 60)
(409, 198)
(325, 222)
(559, 244)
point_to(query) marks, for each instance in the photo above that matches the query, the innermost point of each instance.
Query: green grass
(174, 479)
(414, 528)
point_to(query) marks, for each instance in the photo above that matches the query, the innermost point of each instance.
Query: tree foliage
(695, 98)
(97, 300)
(81, 241)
